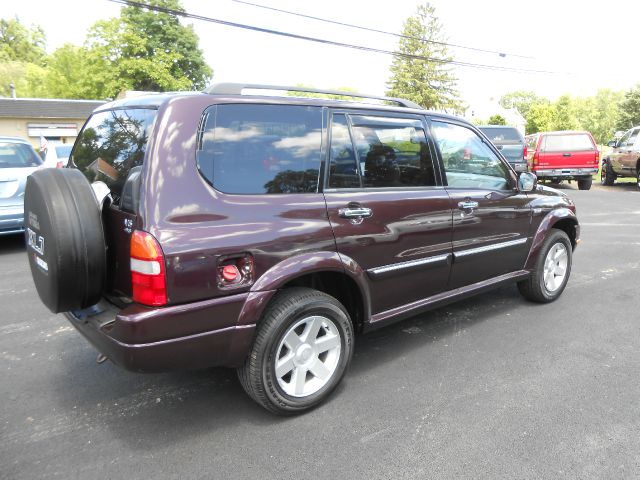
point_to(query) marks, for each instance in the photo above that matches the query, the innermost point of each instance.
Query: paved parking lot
(492, 387)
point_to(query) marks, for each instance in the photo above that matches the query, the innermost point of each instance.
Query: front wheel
(301, 352)
(638, 179)
(551, 271)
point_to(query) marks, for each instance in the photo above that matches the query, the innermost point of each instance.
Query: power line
(384, 32)
(193, 16)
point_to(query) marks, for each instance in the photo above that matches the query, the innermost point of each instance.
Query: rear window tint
(570, 142)
(261, 149)
(502, 135)
(111, 144)
(18, 155)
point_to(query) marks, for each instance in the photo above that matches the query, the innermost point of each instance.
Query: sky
(583, 47)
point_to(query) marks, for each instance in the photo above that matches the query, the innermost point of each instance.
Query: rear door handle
(467, 205)
(566, 154)
(355, 212)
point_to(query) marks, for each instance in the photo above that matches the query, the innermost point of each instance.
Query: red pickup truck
(564, 155)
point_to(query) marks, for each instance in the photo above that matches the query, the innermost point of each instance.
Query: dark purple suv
(260, 232)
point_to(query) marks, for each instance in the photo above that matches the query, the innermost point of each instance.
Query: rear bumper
(566, 172)
(11, 219)
(198, 335)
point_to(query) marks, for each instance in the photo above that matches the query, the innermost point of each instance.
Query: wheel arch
(563, 219)
(329, 272)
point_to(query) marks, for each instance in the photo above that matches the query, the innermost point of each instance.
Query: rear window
(63, 151)
(570, 142)
(111, 144)
(18, 155)
(261, 149)
(502, 135)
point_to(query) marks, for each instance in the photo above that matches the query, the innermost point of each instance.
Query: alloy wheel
(555, 267)
(307, 356)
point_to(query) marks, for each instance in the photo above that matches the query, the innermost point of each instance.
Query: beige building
(58, 120)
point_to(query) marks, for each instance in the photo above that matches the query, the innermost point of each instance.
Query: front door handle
(566, 154)
(355, 212)
(467, 205)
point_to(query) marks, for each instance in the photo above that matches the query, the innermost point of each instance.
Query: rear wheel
(585, 183)
(638, 179)
(301, 352)
(551, 271)
(607, 177)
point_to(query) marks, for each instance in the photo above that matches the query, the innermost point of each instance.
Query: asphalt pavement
(493, 387)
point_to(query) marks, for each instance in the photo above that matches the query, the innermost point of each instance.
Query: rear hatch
(111, 149)
(565, 151)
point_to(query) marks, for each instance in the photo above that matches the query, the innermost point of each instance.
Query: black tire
(607, 177)
(288, 308)
(585, 183)
(65, 239)
(638, 179)
(534, 288)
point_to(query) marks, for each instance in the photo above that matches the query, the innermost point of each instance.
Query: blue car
(18, 160)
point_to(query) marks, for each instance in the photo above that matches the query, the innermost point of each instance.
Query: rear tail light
(148, 277)
(535, 158)
(59, 164)
(597, 160)
(524, 152)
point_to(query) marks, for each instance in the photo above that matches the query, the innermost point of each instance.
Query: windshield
(18, 155)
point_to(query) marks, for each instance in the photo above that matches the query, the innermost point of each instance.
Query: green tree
(27, 79)
(522, 101)
(426, 81)
(72, 72)
(599, 114)
(147, 50)
(630, 109)
(565, 114)
(540, 118)
(21, 44)
(497, 120)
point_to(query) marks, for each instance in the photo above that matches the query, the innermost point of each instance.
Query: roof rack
(237, 88)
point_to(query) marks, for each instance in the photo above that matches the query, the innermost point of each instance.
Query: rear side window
(111, 144)
(261, 149)
(392, 152)
(570, 142)
(505, 135)
(17, 155)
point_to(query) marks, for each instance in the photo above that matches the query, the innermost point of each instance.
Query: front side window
(261, 149)
(633, 137)
(468, 161)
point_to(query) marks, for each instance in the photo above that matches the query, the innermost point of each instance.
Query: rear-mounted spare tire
(65, 239)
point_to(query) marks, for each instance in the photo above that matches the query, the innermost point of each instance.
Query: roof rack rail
(237, 88)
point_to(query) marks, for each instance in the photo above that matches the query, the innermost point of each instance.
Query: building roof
(47, 108)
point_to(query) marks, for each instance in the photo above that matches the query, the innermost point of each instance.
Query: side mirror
(612, 143)
(527, 181)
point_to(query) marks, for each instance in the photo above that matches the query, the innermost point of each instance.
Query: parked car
(57, 155)
(18, 160)
(563, 155)
(510, 142)
(624, 160)
(262, 232)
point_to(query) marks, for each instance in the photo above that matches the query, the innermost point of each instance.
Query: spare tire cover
(65, 239)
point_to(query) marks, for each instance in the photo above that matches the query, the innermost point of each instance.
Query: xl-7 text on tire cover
(263, 233)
